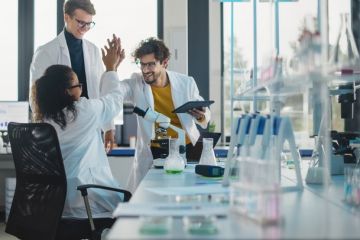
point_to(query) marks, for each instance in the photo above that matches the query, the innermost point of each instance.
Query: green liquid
(207, 230)
(173, 171)
(153, 230)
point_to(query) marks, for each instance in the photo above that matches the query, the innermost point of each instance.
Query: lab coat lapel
(148, 95)
(64, 56)
(87, 66)
(179, 97)
(150, 100)
(176, 96)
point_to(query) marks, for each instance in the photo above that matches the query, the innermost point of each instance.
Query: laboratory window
(132, 21)
(44, 21)
(303, 14)
(9, 52)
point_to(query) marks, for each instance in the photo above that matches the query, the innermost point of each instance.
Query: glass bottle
(207, 154)
(2, 148)
(174, 163)
(345, 54)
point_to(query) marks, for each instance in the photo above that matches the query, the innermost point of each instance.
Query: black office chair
(36, 211)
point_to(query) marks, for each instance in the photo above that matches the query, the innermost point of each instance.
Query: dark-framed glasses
(149, 65)
(82, 24)
(75, 86)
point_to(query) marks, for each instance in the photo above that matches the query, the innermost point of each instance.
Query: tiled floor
(3, 235)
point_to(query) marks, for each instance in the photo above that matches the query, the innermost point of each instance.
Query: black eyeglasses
(75, 86)
(82, 24)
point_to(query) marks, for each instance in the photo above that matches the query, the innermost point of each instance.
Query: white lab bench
(309, 214)
(120, 159)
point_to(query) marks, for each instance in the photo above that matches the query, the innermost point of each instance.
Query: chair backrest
(40, 181)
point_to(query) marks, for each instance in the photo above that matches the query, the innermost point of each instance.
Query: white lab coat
(83, 151)
(183, 89)
(57, 52)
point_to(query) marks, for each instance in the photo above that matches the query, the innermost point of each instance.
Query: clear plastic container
(256, 194)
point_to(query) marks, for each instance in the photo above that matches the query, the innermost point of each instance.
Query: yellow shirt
(163, 103)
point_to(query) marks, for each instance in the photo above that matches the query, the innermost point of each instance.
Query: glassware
(348, 173)
(356, 187)
(2, 148)
(207, 154)
(174, 163)
(256, 194)
(345, 54)
(307, 50)
(155, 225)
(200, 225)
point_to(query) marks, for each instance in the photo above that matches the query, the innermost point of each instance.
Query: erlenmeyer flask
(174, 163)
(345, 54)
(207, 154)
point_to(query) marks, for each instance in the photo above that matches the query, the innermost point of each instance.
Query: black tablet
(192, 104)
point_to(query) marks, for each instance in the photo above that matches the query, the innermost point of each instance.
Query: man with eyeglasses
(161, 90)
(71, 49)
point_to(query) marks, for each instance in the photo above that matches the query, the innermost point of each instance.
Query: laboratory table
(313, 213)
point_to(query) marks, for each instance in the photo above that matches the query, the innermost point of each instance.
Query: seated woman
(78, 121)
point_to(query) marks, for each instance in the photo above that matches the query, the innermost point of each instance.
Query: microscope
(343, 152)
(342, 146)
(347, 99)
(160, 147)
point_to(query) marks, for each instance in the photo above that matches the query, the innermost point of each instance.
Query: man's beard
(148, 81)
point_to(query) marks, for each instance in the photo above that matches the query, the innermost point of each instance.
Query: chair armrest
(83, 190)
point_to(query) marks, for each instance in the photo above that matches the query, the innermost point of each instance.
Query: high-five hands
(113, 54)
(121, 51)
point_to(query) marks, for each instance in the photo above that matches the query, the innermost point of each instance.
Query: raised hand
(121, 51)
(110, 55)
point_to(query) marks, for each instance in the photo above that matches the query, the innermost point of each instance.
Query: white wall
(175, 34)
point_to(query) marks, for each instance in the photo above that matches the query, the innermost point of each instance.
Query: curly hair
(50, 98)
(152, 45)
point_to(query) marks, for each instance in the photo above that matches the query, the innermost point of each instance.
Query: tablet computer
(192, 104)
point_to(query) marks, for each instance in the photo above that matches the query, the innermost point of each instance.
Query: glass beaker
(200, 225)
(174, 163)
(348, 174)
(356, 187)
(207, 154)
(155, 225)
(345, 54)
